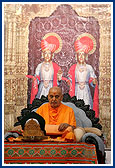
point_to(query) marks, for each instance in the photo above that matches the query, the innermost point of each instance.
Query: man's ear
(61, 97)
(48, 96)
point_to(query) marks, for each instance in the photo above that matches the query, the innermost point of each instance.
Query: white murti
(45, 71)
(82, 90)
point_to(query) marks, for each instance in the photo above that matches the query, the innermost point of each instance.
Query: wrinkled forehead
(55, 91)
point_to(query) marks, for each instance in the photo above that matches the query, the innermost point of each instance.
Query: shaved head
(56, 89)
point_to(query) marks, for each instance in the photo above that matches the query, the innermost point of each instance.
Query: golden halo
(93, 39)
(58, 37)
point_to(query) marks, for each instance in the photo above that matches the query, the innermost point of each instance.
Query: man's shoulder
(44, 104)
(56, 66)
(66, 106)
(89, 66)
(39, 65)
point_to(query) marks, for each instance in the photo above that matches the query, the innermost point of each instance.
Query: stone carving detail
(32, 131)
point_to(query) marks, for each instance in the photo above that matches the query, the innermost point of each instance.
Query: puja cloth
(49, 153)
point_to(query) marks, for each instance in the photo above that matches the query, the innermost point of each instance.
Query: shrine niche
(32, 131)
(65, 22)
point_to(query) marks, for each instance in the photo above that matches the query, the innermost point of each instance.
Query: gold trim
(93, 39)
(58, 37)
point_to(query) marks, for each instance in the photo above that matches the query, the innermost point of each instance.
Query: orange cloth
(61, 114)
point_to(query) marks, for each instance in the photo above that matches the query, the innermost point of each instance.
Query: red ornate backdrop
(68, 25)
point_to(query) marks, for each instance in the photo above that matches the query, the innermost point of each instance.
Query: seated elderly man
(59, 118)
(60, 122)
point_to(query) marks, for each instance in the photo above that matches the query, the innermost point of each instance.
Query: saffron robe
(61, 114)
